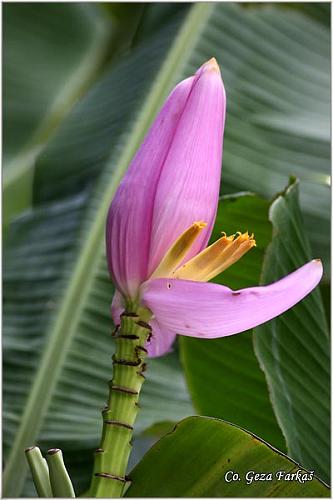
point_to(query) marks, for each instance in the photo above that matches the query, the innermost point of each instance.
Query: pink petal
(208, 310)
(129, 221)
(161, 339)
(189, 183)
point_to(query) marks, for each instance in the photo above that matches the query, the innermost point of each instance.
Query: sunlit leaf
(194, 459)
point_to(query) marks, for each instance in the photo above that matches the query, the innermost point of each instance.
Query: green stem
(60, 481)
(111, 458)
(39, 472)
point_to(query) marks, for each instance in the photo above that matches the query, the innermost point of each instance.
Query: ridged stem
(111, 458)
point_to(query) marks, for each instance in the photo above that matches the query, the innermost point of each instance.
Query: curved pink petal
(129, 221)
(189, 183)
(161, 339)
(208, 310)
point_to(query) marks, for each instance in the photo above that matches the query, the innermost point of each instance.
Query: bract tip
(212, 65)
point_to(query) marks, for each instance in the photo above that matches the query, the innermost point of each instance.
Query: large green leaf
(51, 53)
(293, 349)
(54, 290)
(223, 375)
(317, 10)
(194, 461)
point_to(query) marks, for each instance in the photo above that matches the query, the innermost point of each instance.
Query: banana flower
(161, 219)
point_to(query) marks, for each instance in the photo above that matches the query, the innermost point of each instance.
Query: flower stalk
(111, 458)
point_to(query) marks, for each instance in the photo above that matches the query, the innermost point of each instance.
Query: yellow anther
(177, 252)
(216, 258)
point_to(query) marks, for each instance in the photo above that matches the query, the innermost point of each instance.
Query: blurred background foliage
(82, 83)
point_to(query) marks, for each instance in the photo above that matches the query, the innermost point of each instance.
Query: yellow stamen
(216, 258)
(176, 253)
